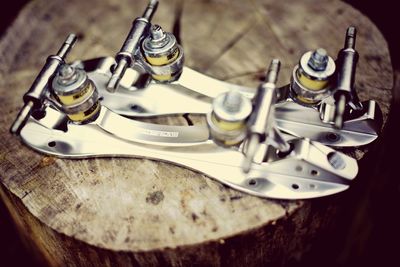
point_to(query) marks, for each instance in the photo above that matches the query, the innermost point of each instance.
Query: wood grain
(142, 212)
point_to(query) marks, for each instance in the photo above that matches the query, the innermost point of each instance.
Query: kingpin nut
(163, 55)
(227, 121)
(67, 75)
(157, 34)
(311, 79)
(319, 60)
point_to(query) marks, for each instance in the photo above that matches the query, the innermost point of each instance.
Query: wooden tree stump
(119, 212)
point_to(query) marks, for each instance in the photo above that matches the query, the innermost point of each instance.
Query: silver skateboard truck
(126, 56)
(328, 87)
(346, 102)
(33, 99)
(148, 49)
(250, 154)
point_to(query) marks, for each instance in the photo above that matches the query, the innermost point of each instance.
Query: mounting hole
(282, 154)
(332, 137)
(80, 36)
(314, 172)
(52, 144)
(101, 98)
(38, 114)
(299, 168)
(295, 186)
(252, 182)
(137, 108)
(112, 67)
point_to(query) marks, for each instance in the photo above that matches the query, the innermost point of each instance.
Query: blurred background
(377, 231)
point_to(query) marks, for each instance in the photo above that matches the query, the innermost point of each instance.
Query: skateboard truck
(33, 99)
(345, 97)
(149, 48)
(328, 88)
(125, 57)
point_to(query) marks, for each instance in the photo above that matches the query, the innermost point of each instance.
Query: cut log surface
(119, 211)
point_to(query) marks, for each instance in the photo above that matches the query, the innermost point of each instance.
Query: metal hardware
(76, 94)
(195, 93)
(359, 129)
(162, 56)
(311, 86)
(227, 120)
(318, 60)
(310, 170)
(125, 57)
(261, 123)
(33, 99)
(345, 94)
(311, 78)
(258, 141)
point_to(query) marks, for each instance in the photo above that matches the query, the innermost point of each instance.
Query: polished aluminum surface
(310, 170)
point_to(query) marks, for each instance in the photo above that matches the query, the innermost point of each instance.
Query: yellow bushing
(76, 98)
(314, 85)
(163, 59)
(162, 78)
(227, 125)
(306, 100)
(85, 115)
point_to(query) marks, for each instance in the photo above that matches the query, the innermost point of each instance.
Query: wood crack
(26, 194)
(176, 26)
(265, 21)
(189, 121)
(228, 46)
(259, 74)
